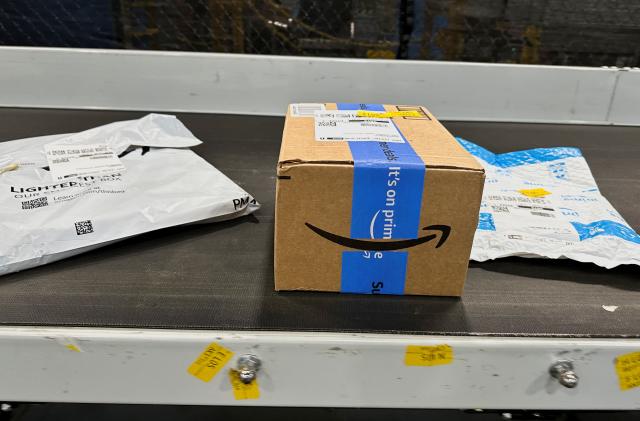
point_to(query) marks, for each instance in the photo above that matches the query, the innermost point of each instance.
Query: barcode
(306, 110)
(509, 198)
(373, 123)
(35, 203)
(84, 227)
(548, 215)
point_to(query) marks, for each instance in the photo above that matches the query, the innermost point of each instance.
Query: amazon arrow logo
(373, 245)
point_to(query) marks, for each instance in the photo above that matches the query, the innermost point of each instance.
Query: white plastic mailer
(65, 194)
(545, 203)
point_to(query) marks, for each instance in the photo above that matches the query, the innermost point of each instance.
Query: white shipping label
(69, 161)
(306, 110)
(346, 126)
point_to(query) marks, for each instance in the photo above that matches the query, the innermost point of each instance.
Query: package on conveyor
(65, 194)
(545, 203)
(373, 199)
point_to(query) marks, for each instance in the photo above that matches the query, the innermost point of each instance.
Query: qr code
(84, 227)
(35, 203)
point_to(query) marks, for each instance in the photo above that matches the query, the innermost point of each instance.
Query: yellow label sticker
(428, 355)
(210, 362)
(241, 390)
(69, 343)
(628, 370)
(539, 192)
(388, 114)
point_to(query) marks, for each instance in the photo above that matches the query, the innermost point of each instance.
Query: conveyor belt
(219, 276)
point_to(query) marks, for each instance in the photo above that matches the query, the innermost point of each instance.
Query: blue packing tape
(605, 227)
(514, 159)
(388, 182)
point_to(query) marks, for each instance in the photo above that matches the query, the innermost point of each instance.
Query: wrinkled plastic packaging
(545, 203)
(164, 184)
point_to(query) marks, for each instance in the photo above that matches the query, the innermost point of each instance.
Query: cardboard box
(376, 199)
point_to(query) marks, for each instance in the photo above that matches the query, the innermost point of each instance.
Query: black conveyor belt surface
(219, 276)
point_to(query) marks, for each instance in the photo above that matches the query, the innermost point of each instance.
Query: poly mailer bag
(545, 203)
(162, 183)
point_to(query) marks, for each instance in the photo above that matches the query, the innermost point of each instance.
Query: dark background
(96, 412)
(559, 32)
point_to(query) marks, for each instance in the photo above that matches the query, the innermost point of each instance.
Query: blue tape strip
(606, 227)
(526, 157)
(374, 272)
(349, 106)
(485, 222)
(388, 181)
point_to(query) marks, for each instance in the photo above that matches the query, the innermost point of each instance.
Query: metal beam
(309, 369)
(252, 84)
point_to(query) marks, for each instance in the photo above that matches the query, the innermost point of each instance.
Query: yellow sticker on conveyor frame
(428, 356)
(242, 390)
(69, 343)
(628, 370)
(388, 114)
(210, 362)
(539, 192)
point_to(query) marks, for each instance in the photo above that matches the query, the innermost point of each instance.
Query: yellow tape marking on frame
(628, 370)
(428, 356)
(241, 390)
(210, 362)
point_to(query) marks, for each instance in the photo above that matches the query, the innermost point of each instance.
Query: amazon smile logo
(376, 245)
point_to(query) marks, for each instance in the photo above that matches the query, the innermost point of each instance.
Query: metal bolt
(563, 372)
(248, 366)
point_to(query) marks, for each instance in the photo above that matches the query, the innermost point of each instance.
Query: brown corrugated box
(315, 187)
